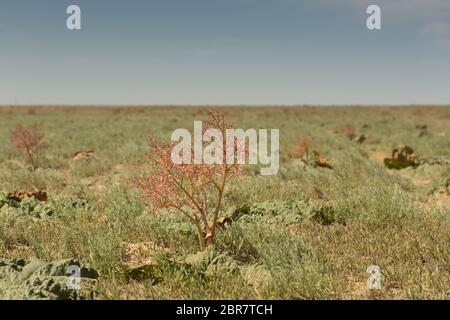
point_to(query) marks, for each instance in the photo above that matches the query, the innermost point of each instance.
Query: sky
(203, 52)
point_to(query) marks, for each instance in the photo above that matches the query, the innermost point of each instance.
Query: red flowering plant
(193, 189)
(30, 141)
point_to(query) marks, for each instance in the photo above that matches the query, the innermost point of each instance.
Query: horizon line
(221, 105)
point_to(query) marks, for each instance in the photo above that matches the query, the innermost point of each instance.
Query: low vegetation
(335, 208)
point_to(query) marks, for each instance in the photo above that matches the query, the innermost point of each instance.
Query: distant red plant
(195, 190)
(29, 141)
(349, 131)
(302, 148)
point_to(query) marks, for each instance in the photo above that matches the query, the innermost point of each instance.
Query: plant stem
(201, 240)
(33, 165)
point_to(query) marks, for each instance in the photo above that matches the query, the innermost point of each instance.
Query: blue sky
(224, 52)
